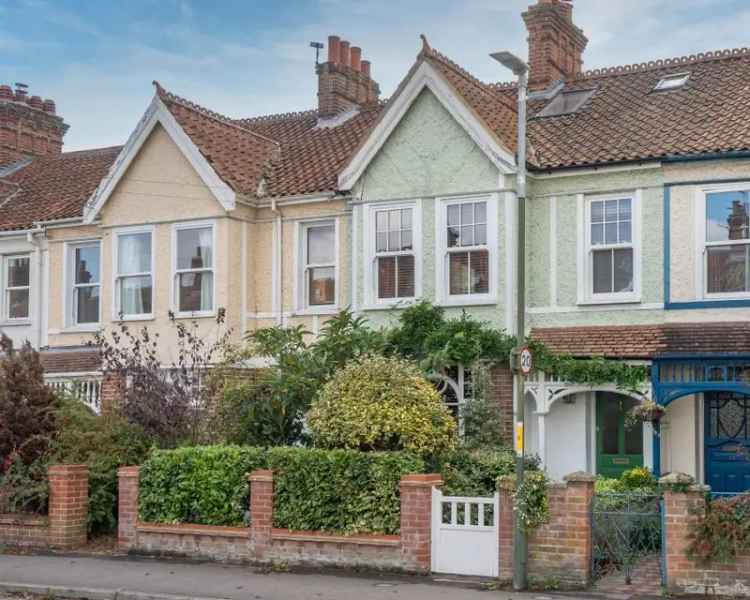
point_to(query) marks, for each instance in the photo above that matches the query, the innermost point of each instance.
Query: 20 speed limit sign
(526, 361)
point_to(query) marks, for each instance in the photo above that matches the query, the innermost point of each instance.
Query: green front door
(619, 447)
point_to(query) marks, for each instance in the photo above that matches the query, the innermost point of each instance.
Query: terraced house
(637, 228)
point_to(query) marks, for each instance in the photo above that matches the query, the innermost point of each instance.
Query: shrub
(104, 443)
(202, 484)
(380, 403)
(724, 531)
(638, 478)
(24, 488)
(330, 490)
(27, 406)
(339, 490)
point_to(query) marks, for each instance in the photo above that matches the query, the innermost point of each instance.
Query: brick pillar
(416, 519)
(261, 511)
(578, 499)
(68, 505)
(500, 393)
(112, 391)
(127, 507)
(505, 488)
(682, 511)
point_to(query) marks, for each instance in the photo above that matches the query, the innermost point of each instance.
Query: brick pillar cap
(260, 475)
(580, 477)
(67, 470)
(128, 471)
(427, 480)
(677, 479)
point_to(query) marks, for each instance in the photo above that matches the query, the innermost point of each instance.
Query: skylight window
(566, 103)
(671, 82)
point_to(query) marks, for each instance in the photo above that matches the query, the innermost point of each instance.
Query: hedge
(325, 490)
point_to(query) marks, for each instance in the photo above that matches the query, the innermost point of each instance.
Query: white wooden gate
(465, 534)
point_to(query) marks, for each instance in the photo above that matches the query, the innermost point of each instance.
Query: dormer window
(671, 82)
(566, 103)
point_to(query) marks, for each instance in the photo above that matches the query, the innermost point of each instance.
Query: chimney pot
(334, 49)
(355, 56)
(365, 67)
(6, 92)
(36, 102)
(49, 106)
(345, 53)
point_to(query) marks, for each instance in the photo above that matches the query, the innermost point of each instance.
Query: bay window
(727, 242)
(134, 274)
(193, 272)
(85, 283)
(17, 275)
(318, 266)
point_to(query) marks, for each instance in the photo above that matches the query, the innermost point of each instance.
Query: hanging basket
(647, 412)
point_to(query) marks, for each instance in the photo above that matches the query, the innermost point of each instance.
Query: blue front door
(727, 433)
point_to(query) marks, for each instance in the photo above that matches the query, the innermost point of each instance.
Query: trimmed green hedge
(327, 490)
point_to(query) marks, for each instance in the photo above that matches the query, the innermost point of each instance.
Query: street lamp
(520, 543)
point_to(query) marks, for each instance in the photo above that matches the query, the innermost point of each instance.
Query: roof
(70, 360)
(647, 341)
(52, 187)
(626, 120)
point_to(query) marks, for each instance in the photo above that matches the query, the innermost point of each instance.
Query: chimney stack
(344, 81)
(28, 125)
(556, 45)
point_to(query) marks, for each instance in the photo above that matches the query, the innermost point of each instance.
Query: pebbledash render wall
(428, 156)
(66, 525)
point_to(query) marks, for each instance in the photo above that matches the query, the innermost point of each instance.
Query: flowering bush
(724, 531)
(381, 403)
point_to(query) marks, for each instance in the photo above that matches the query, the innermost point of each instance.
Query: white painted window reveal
(134, 274)
(318, 272)
(726, 242)
(17, 283)
(193, 269)
(84, 275)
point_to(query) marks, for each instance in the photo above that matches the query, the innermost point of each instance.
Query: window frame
(300, 281)
(117, 233)
(702, 244)
(175, 272)
(69, 305)
(369, 223)
(442, 252)
(586, 293)
(6, 289)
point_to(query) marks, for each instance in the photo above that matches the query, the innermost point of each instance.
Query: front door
(727, 441)
(619, 447)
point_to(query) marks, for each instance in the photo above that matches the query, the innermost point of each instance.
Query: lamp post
(520, 545)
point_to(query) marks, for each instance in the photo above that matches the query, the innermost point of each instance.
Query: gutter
(678, 158)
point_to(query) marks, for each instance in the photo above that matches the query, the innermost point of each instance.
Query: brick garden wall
(682, 510)
(66, 525)
(500, 392)
(262, 543)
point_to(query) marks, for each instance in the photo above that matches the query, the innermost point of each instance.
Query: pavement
(129, 578)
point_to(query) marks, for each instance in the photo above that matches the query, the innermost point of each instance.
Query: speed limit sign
(526, 361)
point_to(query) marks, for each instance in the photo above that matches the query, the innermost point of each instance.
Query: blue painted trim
(731, 303)
(655, 437)
(667, 288)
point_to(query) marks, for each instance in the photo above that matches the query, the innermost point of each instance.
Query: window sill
(316, 312)
(730, 296)
(129, 318)
(194, 315)
(90, 328)
(16, 323)
(399, 304)
(468, 301)
(629, 299)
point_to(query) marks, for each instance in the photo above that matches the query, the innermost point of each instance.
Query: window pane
(727, 268)
(381, 242)
(623, 270)
(597, 211)
(135, 295)
(394, 241)
(18, 271)
(467, 214)
(610, 426)
(727, 216)
(480, 234)
(453, 215)
(406, 242)
(322, 286)
(602, 264)
(625, 227)
(406, 218)
(18, 304)
(381, 220)
(320, 244)
(467, 235)
(625, 210)
(479, 263)
(458, 272)
(634, 439)
(610, 210)
(87, 304)
(387, 277)
(452, 237)
(194, 248)
(195, 291)
(134, 253)
(480, 212)
(610, 233)
(405, 277)
(394, 220)
(597, 234)
(87, 264)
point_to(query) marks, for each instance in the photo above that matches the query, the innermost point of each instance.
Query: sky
(97, 58)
